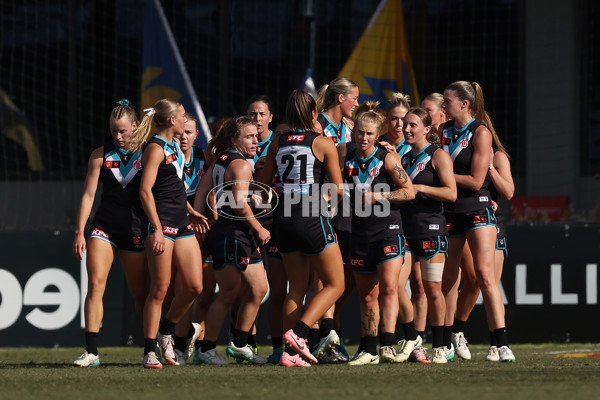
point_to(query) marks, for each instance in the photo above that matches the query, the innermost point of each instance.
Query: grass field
(548, 371)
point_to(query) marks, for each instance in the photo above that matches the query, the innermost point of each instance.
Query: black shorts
(309, 237)
(459, 224)
(173, 233)
(271, 249)
(366, 256)
(241, 250)
(344, 239)
(123, 241)
(501, 243)
(428, 247)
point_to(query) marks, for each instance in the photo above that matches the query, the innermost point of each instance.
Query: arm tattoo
(398, 195)
(401, 174)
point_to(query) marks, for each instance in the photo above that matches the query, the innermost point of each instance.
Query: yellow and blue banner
(164, 74)
(380, 63)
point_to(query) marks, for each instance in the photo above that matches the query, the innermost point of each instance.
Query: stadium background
(64, 63)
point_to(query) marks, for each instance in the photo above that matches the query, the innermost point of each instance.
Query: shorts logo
(137, 165)
(137, 240)
(295, 138)
(244, 261)
(374, 172)
(394, 227)
(449, 226)
(420, 166)
(329, 237)
(273, 249)
(170, 230)
(390, 250)
(434, 227)
(429, 245)
(464, 144)
(229, 257)
(483, 199)
(357, 262)
(478, 219)
(224, 157)
(99, 232)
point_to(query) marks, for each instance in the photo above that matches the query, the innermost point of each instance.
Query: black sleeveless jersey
(496, 197)
(120, 175)
(193, 172)
(369, 175)
(423, 216)
(301, 175)
(338, 133)
(459, 144)
(228, 221)
(169, 189)
(401, 148)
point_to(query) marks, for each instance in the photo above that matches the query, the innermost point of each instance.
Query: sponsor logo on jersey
(357, 262)
(434, 227)
(295, 138)
(171, 158)
(244, 261)
(99, 232)
(394, 227)
(445, 140)
(333, 138)
(352, 171)
(170, 230)
(112, 164)
(483, 199)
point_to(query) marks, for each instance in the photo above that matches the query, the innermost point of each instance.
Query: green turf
(538, 373)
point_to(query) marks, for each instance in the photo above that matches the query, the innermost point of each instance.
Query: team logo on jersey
(464, 143)
(390, 250)
(295, 138)
(420, 166)
(374, 172)
(244, 261)
(224, 157)
(358, 262)
(137, 165)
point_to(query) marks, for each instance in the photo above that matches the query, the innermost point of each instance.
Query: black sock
(239, 337)
(252, 340)
(206, 345)
(91, 342)
(438, 336)
(301, 329)
(167, 327)
(326, 327)
(149, 345)
(361, 345)
(492, 339)
(276, 341)
(290, 350)
(409, 330)
(313, 338)
(197, 344)
(448, 337)
(501, 337)
(191, 331)
(180, 343)
(459, 326)
(371, 345)
(422, 334)
(386, 339)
